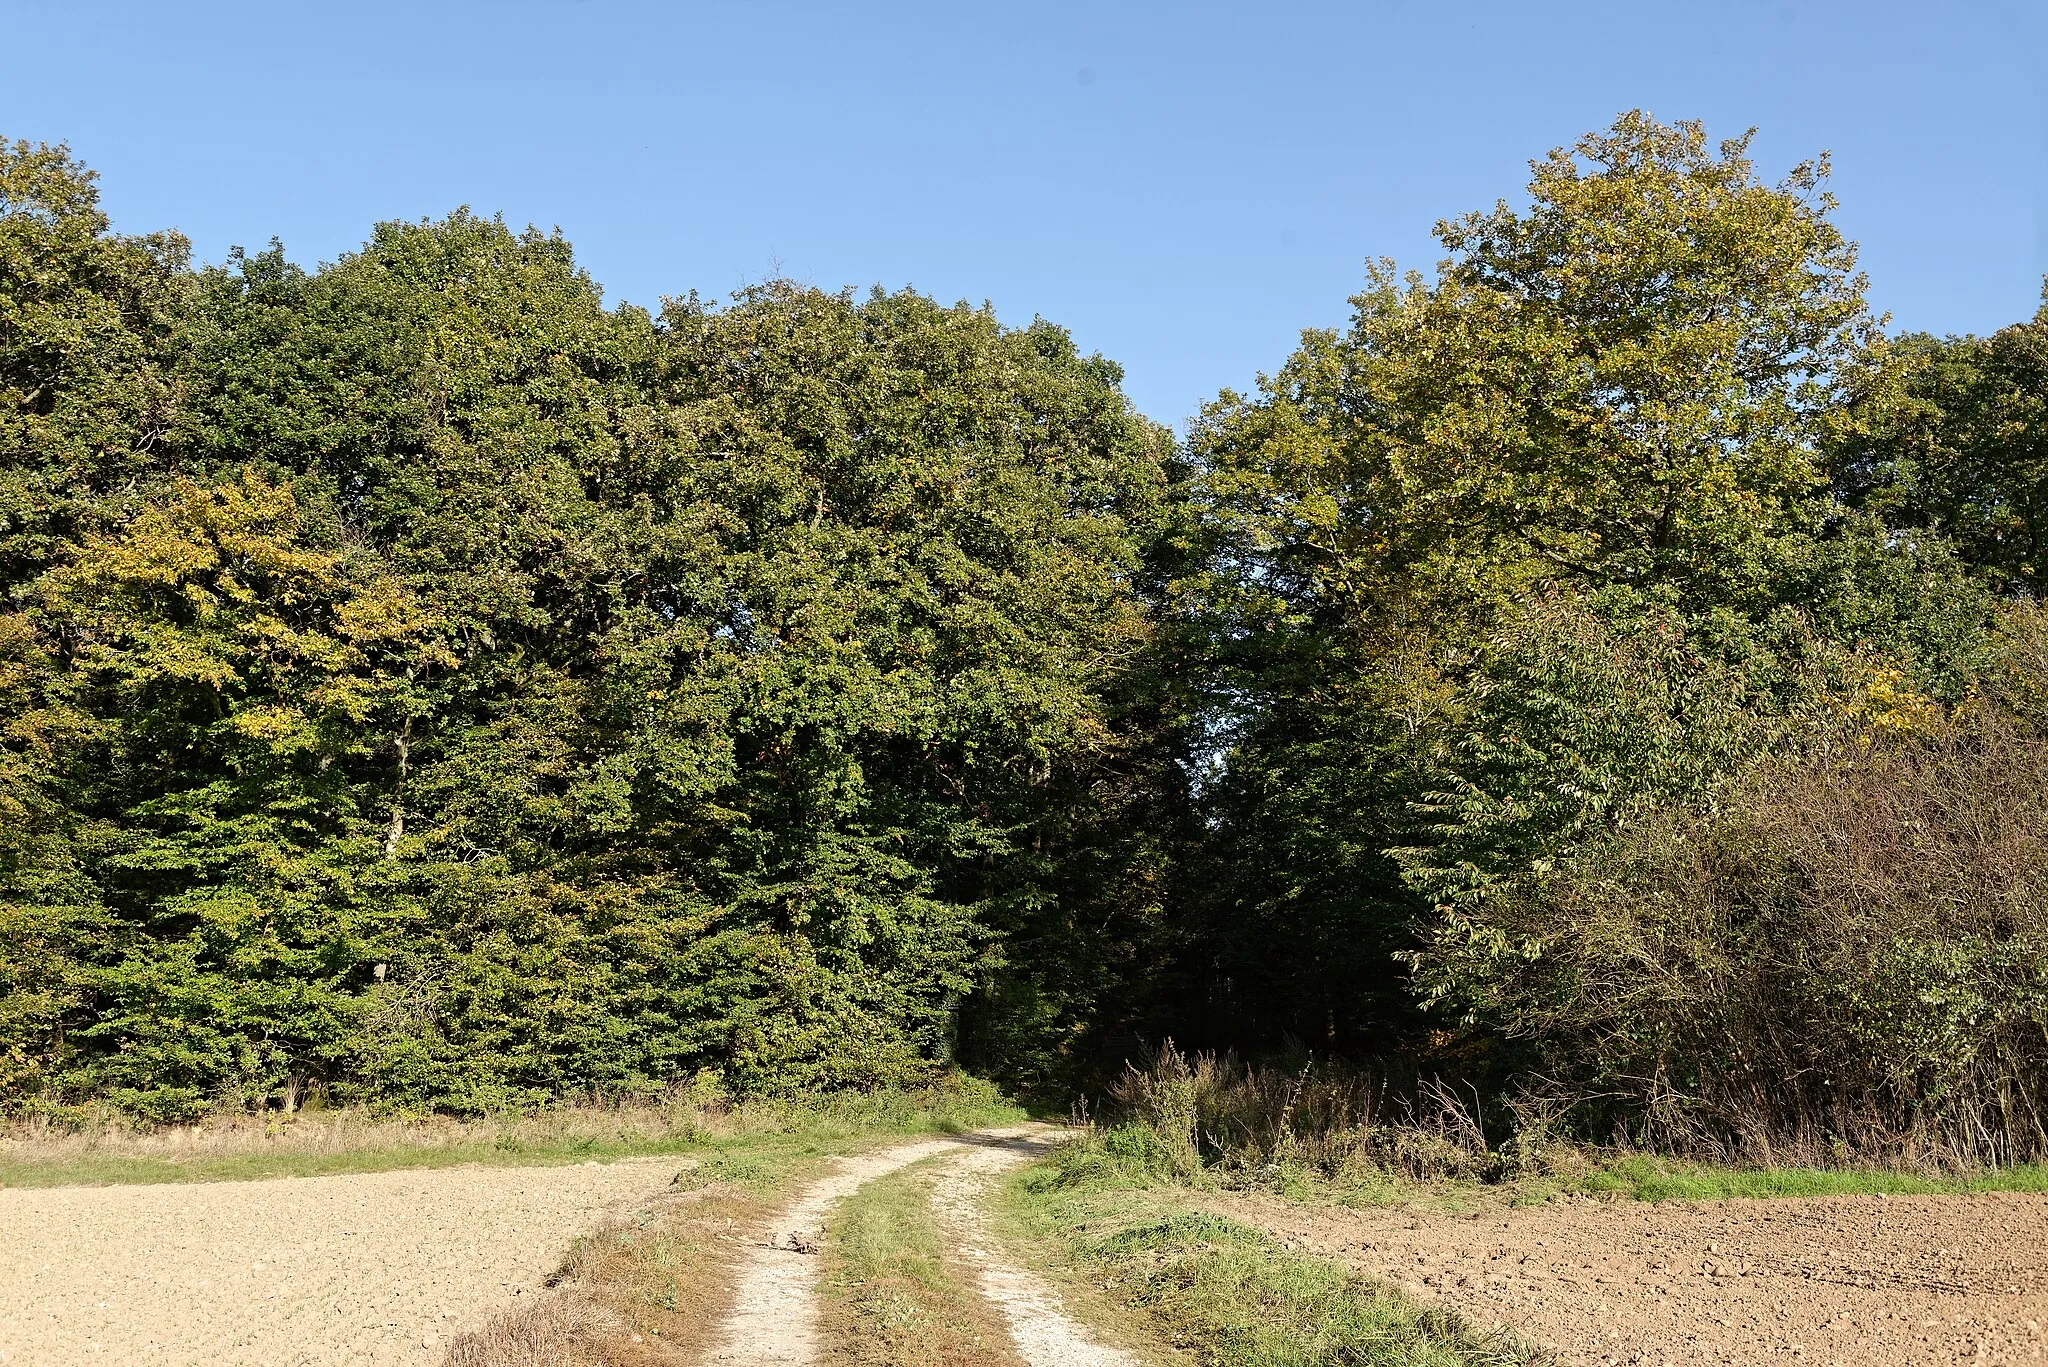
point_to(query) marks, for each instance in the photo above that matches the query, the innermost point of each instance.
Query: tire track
(1043, 1333)
(774, 1319)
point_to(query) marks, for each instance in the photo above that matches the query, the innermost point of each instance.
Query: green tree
(91, 325)
(1963, 450)
(485, 693)
(1611, 407)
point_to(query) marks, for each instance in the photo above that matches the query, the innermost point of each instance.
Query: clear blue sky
(1184, 186)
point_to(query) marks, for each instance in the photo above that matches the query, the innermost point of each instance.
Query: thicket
(1606, 668)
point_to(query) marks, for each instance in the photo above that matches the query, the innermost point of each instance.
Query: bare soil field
(1856, 1280)
(377, 1269)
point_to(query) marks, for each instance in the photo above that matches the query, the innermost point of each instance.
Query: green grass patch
(896, 1300)
(1635, 1177)
(1223, 1293)
(1659, 1179)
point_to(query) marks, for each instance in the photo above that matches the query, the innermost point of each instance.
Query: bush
(1845, 951)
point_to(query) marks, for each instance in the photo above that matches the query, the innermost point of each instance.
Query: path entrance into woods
(775, 1317)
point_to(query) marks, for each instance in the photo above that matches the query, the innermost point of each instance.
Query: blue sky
(1183, 186)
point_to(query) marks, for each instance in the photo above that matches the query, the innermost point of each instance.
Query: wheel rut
(1043, 1333)
(775, 1320)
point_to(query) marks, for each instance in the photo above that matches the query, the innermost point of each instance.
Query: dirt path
(1043, 1333)
(371, 1270)
(774, 1319)
(1868, 1281)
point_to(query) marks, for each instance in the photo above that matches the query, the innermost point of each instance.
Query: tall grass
(1195, 1113)
(1187, 1117)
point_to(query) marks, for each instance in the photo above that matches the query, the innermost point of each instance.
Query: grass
(1559, 1169)
(1636, 1177)
(1645, 1178)
(894, 1298)
(1222, 1293)
(643, 1291)
(338, 1142)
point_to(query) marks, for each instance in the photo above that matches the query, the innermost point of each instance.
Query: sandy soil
(1043, 1333)
(1869, 1281)
(373, 1270)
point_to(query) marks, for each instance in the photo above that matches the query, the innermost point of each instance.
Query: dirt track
(1861, 1281)
(1043, 1334)
(774, 1318)
(376, 1269)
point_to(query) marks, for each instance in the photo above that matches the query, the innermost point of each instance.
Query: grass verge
(1658, 1179)
(1222, 1293)
(1557, 1169)
(894, 1299)
(339, 1142)
(644, 1291)
(1638, 1177)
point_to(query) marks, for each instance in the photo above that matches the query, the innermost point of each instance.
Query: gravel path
(371, 1270)
(1862, 1281)
(1044, 1335)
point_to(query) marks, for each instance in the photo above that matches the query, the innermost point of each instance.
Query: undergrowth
(1325, 1131)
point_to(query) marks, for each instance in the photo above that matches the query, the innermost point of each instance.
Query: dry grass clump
(1204, 1118)
(1208, 1110)
(353, 1129)
(560, 1330)
(643, 1291)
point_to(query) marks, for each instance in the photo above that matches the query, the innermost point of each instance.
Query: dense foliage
(1568, 544)
(1609, 659)
(430, 685)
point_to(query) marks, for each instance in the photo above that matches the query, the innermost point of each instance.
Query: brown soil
(377, 1268)
(1868, 1281)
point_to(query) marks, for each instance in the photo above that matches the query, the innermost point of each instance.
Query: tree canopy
(425, 684)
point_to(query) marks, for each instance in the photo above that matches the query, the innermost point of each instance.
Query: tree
(1618, 401)
(1963, 451)
(485, 693)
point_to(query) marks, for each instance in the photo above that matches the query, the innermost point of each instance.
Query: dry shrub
(1846, 958)
(561, 1329)
(1330, 1116)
